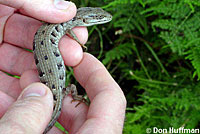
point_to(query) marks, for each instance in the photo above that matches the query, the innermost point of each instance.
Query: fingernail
(34, 90)
(62, 5)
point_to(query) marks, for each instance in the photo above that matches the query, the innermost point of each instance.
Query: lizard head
(88, 16)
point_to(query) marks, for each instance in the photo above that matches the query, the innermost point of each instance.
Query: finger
(10, 86)
(54, 11)
(20, 30)
(30, 113)
(5, 12)
(15, 60)
(107, 108)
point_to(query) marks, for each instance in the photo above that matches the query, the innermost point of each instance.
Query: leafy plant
(151, 48)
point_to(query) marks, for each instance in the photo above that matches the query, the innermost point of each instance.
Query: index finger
(53, 11)
(107, 108)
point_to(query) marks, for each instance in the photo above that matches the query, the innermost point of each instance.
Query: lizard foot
(71, 89)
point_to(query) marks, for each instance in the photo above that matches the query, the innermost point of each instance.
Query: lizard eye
(91, 16)
(73, 19)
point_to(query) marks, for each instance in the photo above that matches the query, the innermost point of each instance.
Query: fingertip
(71, 51)
(34, 106)
(61, 11)
(56, 11)
(34, 89)
(64, 5)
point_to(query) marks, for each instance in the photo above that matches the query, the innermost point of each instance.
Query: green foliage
(179, 25)
(151, 48)
(58, 125)
(118, 52)
(165, 105)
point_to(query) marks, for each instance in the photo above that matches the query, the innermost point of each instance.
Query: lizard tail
(56, 113)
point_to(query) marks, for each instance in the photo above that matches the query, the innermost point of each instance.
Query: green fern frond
(172, 8)
(130, 18)
(192, 3)
(120, 24)
(118, 52)
(120, 2)
(179, 28)
(176, 43)
(165, 24)
(194, 56)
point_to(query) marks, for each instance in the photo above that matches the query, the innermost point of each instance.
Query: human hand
(31, 111)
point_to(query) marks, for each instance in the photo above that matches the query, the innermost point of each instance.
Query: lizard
(49, 61)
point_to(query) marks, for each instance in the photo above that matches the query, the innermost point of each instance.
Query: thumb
(31, 112)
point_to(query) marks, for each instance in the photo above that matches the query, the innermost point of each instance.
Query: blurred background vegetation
(152, 49)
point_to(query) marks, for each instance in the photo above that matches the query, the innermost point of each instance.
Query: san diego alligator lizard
(50, 64)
